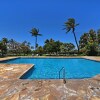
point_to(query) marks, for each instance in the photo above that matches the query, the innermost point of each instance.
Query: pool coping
(94, 58)
(26, 71)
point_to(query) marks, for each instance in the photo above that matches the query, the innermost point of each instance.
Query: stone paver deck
(92, 58)
(6, 58)
(13, 88)
(13, 70)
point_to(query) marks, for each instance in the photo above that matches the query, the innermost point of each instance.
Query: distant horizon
(17, 18)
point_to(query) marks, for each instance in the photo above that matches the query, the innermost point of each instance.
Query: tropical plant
(35, 33)
(70, 25)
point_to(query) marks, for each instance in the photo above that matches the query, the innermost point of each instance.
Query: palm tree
(70, 25)
(35, 33)
(5, 41)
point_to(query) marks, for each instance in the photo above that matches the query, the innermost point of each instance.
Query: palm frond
(68, 29)
(39, 34)
(70, 25)
(76, 24)
(71, 20)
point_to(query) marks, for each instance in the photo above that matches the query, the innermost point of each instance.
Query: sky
(18, 17)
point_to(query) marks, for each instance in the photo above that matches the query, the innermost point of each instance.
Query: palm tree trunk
(36, 43)
(76, 41)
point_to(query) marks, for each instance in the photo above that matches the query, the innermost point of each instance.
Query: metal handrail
(60, 71)
(63, 74)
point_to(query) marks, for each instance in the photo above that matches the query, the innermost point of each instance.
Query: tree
(70, 25)
(3, 49)
(40, 50)
(5, 41)
(25, 48)
(56, 47)
(89, 43)
(46, 41)
(92, 35)
(3, 46)
(70, 47)
(32, 47)
(11, 44)
(66, 47)
(83, 42)
(24, 43)
(63, 48)
(92, 45)
(98, 39)
(35, 33)
(98, 36)
(48, 47)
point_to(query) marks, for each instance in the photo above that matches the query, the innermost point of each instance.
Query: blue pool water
(48, 68)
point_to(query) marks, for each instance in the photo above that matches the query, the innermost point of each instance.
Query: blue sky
(17, 17)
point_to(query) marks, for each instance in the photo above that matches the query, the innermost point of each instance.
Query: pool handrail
(62, 69)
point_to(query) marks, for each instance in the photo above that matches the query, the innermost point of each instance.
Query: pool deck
(13, 88)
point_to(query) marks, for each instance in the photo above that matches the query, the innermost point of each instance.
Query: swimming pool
(48, 68)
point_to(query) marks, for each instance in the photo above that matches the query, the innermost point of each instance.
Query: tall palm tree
(70, 25)
(35, 33)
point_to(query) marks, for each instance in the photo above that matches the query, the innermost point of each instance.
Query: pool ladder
(62, 69)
